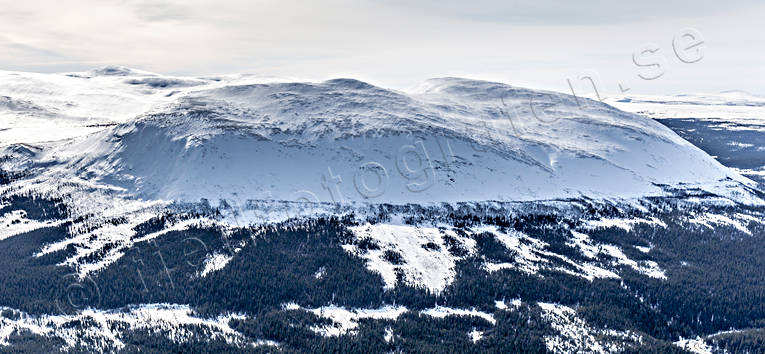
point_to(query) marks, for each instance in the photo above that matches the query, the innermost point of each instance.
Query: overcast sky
(396, 43)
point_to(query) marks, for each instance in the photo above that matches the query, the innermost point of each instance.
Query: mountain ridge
(451, 140)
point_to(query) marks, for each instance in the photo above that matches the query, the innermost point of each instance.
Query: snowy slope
(241, 138)
(729, 125)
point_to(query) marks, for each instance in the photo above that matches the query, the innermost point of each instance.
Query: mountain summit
(246, 138)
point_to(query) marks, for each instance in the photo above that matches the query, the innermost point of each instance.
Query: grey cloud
(158, 11)
(570, 12)
(6, 15)
(39, 59)
(28, 50)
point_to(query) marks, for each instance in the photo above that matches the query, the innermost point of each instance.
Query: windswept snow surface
(215, 262)
(346, 321)
(105, 330)
(735, 106)
(729, 125)
(420, 253)
(36, 108)
(441, 312)
(502, 305)
(624, 224)
(532, 256)
(16, 222)
(712, 221)
(695, 346)
(577, 336)
(425, 257)
(246, 138)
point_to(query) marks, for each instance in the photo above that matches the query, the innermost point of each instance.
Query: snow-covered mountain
(244, 213)
(245, 138)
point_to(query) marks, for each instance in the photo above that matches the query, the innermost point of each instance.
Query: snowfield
(425, 259)
(15, 223)
(420, 253)
(104, 329)
(345, 321)
(575, 335)
(241, 138)
(572, 334)
(740, 107)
